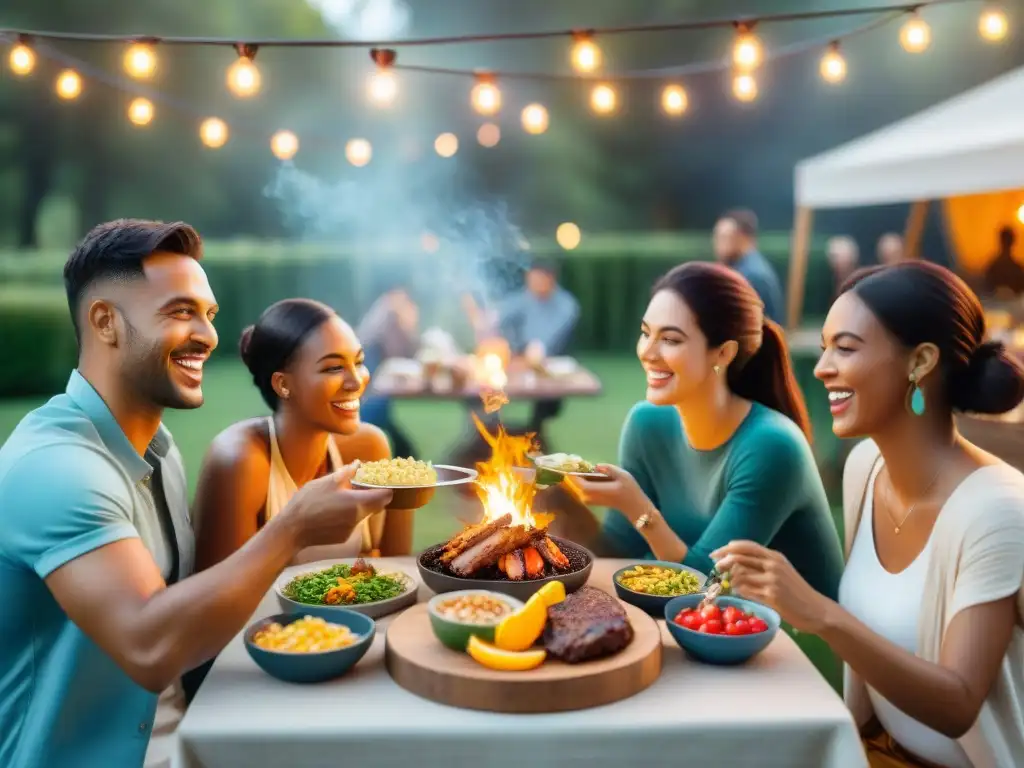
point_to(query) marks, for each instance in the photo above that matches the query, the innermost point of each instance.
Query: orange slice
(494, 657)
(552, 593)
(520, 630)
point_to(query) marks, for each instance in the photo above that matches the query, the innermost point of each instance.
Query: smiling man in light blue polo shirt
(100, 612)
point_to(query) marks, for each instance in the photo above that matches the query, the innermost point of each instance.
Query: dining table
(774, 711)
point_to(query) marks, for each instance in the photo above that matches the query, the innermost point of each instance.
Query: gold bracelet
(643, 521)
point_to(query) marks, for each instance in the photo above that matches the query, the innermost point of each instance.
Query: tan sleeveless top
(281, 488)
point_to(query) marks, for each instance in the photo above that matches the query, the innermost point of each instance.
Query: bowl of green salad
(330, 586)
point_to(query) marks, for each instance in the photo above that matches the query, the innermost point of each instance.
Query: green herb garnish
(311, 588)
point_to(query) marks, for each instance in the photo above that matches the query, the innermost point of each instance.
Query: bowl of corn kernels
(303, 647)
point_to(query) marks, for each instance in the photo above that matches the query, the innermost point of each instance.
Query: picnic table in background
(775, 710)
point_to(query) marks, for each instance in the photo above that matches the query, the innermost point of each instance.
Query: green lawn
(586, 425)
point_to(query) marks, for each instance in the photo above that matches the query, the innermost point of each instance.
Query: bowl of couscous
(650, 584)
(412, 482)
(304, 647)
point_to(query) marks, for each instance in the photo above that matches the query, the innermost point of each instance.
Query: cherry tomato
(758, 625)
(711, 627)
(732, 614)
(691, 620)
(742, 627)
(711, 612)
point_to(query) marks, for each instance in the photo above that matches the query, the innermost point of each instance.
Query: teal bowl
(721, 649)
(455, 634)
(317, 666)
(652, 604)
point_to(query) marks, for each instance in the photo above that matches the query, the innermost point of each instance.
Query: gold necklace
(910, 511)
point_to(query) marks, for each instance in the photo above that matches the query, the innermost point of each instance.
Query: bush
(39, 344)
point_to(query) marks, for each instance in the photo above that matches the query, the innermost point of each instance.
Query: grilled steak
(588, 624)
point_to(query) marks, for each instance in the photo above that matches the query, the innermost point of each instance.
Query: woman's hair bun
(245, 342)
(992, 382)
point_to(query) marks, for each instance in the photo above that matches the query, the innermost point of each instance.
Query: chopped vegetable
(344, 585)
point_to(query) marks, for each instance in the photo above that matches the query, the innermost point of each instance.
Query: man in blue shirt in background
(735, 244)
(101, 611)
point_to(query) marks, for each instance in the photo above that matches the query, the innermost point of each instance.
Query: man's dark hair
(116, 249)
(746, 220)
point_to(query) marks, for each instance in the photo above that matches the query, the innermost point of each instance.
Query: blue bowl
(317, 666)
(721, 649)
(652, 604)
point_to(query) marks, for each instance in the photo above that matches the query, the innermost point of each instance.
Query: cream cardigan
(977, 557)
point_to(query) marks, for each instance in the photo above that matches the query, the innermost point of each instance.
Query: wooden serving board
(418, 662)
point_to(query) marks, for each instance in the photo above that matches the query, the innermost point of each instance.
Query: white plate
(373, 610)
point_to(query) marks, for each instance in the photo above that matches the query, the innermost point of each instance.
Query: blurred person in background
(96, 570)
(930, 615)
(843, 258)
(1004, 277)
(890, 250)
(390, 328)
(735, 244)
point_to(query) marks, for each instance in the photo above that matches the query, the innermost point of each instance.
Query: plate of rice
(411, 481)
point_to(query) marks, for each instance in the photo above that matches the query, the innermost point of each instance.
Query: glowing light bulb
(140, 111)
(535, 118)
(284, 145)
(358, 152)
(603, 99)
(744, 87)
(568, 235)
(488, 135)
(674, 100)
(429, 242)
(586, 56)
(446, 145)
(213, 132)
(485, 97)
(22, 60)
(833, 66)
(382, 87)
(69, 84)
(993, 24)
(915, 35)
(747, 53)
(244, 78)
(140, 61)
(1020, 214)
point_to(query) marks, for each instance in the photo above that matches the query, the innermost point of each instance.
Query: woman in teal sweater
(719, 451)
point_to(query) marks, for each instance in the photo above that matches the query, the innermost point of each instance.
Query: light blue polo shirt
(71, 482)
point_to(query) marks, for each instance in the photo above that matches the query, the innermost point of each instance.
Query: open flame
(501, 485)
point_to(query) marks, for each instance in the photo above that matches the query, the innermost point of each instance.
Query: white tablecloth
(775, 711)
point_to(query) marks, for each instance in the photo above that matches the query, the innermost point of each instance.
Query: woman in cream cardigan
(929, 617)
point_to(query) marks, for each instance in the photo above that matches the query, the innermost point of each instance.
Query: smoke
(364, 19)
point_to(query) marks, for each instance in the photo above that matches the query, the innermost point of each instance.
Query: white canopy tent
(972, 143)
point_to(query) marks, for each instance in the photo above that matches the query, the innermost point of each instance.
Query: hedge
(610, 276)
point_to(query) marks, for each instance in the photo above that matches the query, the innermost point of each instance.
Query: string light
(284, 145)
(833, 65)
(382, 85)
(535, 118)
(568, 235)
(446, 145)
(993, 24)
(140, 61)
(243, 76)
(488, 135)
(69, 85)
(603, 99)
(358, 152)
(747, 53)
(22, 59)
(140, 111)
(1020, 214)
(585, 56)
(485, 96)
(915, 35)
(213, 132)
(674, 100)
(744, 87)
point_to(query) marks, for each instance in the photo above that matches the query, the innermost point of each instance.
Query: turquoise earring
(916, 397)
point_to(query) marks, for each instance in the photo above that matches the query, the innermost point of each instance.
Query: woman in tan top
(929, 617)
(308, 365)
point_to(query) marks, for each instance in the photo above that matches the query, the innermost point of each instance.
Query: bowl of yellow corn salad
(304, 647)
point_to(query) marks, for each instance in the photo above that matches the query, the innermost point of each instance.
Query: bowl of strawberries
(728, 630)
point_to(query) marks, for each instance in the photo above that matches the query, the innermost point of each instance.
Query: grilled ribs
(486, 551)
(471, 535)
(588, 624)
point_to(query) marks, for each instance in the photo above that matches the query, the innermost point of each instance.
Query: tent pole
(800, 245)
(914, 229)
